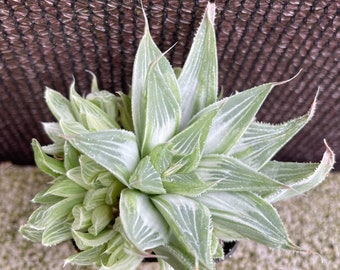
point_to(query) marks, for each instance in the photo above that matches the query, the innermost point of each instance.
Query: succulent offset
(169, 171)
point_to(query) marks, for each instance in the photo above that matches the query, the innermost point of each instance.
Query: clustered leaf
(167, 171)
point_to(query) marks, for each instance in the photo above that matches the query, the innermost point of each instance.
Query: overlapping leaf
(262, 141)
(230, 174)
(191, 224)
(300, 185)
(198, 80)
(115, 150)
(143, 224)
(244, 214)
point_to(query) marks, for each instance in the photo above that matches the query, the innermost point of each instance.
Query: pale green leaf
(43, 198)
(82, 218)
(86, 257)
(31, 233)
(94, 83)
(186, 141)
(72, 128)
(115, 150)
(71, 156)
(303, 184)
(86, 240)
(191, 224)
(163, 265)
(232, 175)
(53, 131)
(143, 224)
(147, 52)
(176, 257)
(185, 163)
(288, 172)
(107, 102)
(113, 192)
(262, 141)
(246, 215)
(64, 187)
(101, 217)
(95, 198)
(89, 169)
(161, 157)
(106, 179)
(58, 105)
(92, 116)
(74, 174)
(146, 179)
(47, 216)
(233, 118)
(46, 163)
(198, 80)
(186, 184)
(125, 113)
(162, 105)
(55, 149)
(56, 234)
(121, 260)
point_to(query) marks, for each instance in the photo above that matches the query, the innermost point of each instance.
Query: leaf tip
(329, 156)
(290, 79)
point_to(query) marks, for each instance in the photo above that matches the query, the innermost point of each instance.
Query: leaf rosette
(168, 171)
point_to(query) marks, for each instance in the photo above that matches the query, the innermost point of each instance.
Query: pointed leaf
(101, 217)
(198, 78)
(71, 155)
(46, 163)
(56, 234)
(186, 142)
(124, 107)
(94, 118)
(72, 127)
(57, 212)
(262, 141)
(86, 257)
(95, 198)
(146, 179)
(64, 187)
(89, 169)
(233, 175)
(247, 215)
(31, 233)
(82, 218)
(175, 256)
(161, 157)
(106, 102)
(58, 105)
(162, 108)
(305, 184)
(74, 174)
(190, 222)
(115, 150)
(187, 184)
(147, 52)
(53, 131)
(233, 118)
(143, 224)
(86, 240)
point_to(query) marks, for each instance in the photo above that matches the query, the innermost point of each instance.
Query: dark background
(46, 42)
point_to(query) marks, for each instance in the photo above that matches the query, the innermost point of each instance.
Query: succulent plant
(170, 170)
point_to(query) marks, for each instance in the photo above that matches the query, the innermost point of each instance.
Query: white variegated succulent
(168, 171)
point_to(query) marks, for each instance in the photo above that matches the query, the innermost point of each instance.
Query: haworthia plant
(168, 171)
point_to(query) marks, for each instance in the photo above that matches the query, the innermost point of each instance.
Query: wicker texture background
(45, 42)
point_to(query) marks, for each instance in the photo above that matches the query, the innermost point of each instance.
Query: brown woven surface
(44, 43)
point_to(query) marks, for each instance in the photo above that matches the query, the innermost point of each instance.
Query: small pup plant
(170, 171)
